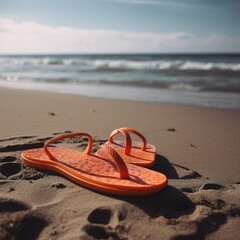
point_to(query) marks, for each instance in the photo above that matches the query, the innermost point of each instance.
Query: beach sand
(198, 149)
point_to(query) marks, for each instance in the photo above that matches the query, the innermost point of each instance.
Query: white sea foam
(134, 65)
(190, 65)
(165, 65)
(122, 64)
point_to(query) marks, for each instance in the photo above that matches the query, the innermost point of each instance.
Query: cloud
(31, 37)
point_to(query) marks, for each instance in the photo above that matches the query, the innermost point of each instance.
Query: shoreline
(219, 100)
(197, 149)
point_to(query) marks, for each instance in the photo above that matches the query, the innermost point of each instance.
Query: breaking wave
(123, 64)
(194, 73)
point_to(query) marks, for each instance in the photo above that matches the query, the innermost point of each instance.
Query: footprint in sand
(9, 167)
(211, 186)
(204, 186)
(9, 205)
(104, 223)
(18, 221)
(100, 216)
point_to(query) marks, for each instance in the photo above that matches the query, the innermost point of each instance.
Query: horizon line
(123, 53)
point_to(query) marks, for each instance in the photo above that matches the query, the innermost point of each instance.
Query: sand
(198, 150)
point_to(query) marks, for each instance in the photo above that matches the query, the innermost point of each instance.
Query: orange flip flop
(107, 173)
(138, 153)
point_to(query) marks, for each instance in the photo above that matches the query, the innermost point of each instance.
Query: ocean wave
(189, 65)
(164, 65)
(188, 73)
(123, 64)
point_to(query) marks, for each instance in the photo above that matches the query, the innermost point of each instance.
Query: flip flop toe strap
(122, 167)
(68, 135)
(127, 129)
(128, 141)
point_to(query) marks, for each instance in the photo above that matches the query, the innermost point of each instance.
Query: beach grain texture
(198, 150)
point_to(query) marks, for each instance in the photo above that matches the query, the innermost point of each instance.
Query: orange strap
(128, 141)
(68, 135)
(127, 129)
(122, 168)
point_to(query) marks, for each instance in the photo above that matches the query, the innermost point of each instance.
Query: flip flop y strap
(127, 129)
(68, 135)
(128, 141)
(122, 167)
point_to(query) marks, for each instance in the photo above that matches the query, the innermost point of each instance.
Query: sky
(119, 26)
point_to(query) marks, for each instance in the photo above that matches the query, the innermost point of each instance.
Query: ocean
(210, 80)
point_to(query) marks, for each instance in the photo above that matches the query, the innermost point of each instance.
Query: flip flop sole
(96, 173)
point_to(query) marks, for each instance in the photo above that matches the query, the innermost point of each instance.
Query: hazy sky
(119, 26)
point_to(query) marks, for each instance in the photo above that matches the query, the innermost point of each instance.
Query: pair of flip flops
(118, 167)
